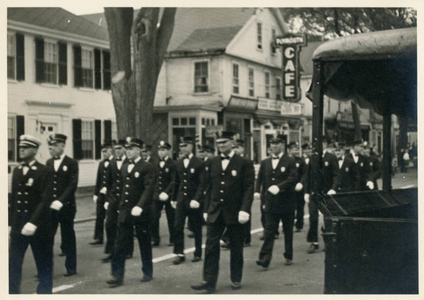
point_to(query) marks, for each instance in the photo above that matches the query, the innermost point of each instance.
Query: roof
(373, 45)
(191, 19)
(57, 19)
(209, 38)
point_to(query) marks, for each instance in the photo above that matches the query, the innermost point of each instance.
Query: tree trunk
(356, 121)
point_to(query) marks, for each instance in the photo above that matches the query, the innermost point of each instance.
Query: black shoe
(114, 282)
(146, 278)
(289, 262)
(204, 286)
(128, 256)
(178, 260)
(235, 285)
(313, 248)
(106, 259)
(70, 273)
(97, 242)
(171, 245)
(225, 245)
(196, 259)
(264, 264)
(298, 229)
(62, 253)
(246, 245)
(155, 244)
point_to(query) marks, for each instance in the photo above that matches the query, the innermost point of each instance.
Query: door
(44, 131)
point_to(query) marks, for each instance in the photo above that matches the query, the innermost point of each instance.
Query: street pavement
(304, 276)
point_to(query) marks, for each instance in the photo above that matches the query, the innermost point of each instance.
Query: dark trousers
(212, 252)
(170, 217)
(112, 231)
(246, 233)
(66, 218)
(123, 243)
(272, 222)
(195, 217)
(42, 249)
(313, 220)
(300, 212)
(100, 218)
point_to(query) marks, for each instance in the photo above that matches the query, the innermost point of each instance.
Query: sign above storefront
(268, 104)
(290, 47)
(211, 130)
(292, 109)
(243, 103)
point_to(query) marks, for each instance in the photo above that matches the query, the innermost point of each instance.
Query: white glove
(306, 197)
(257, 196)
(103, 190)
(56, 205)
(331, 192)
(95, 199)
(205, 216)
(273, 189)
(298, 187)
(370, 185)
(194, 204)
(29, 229)
(136, 211)
(174, 204)
(163, 196)
(243, 217)
(106, 205)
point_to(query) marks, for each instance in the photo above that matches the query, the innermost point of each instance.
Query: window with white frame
(11, 56)
(87, 139)
(273, 36)
(87, 67)
(236, 89)
(114, 131)
(259, 35)
(50, 62)
(11, 135)
(201, 77)
(278, 88)
(251, 82)
(267, 85)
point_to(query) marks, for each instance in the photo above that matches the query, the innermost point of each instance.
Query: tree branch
(164, 35)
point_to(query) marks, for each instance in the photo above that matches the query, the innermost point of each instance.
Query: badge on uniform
(234, 173)
(371, 164)
(207, 169)
(362, 164)
(137, 174)
(326, 163)
(192, 171)
(347, 169)
(34, 168)
(65, 168)
(30, 182)
(166, 170)
(106, 164)
(297, 165)
(283, 169)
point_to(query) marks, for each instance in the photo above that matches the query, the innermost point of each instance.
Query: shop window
(213, 122)
(267, 85)
(236, 89)
(200, 77)
(251, 82)
(50, 62)
(192, 121)
(175, 121)
(259, 35)
(183, 121)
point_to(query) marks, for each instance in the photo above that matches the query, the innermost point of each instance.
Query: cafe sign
(290, 47)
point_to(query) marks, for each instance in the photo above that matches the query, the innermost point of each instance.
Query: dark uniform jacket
(29, 202)
(374, 169)
(64, 181)
(166, 179)
(229, 191)
(363, 168)
(285, 177)
(137, 190)
(300, 168)
(115, 177)
(103, 177)
(329, 176)
(349, 176)
(190, 182)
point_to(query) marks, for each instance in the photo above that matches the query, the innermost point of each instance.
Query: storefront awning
(242, 104)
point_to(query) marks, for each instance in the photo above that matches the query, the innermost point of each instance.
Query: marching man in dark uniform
(146, 153)
(228, 205)
(279, 174)
(102, 187)
(374, 165)
(210, 152)
(330, 179)
(62, 192)
(362, 164)
(164, 191)
(299, 193)
(112, 200)
(138, 184)
(30, 218)
(349, 175)
(190, 182)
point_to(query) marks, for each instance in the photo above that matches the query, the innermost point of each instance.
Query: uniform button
(185, 194)
(117, 211)
(221, 191)
(160, 177)
(104, 176)
(222, 200)
(55, 182)
(54, 195)
(185, 187)
(19, 201)
(222, 182)
(104, 182)
(160, 182)
(127, 185)
(126, 193)
(19, 193)
(26, 193)
(55, 176)
(19, 210)
(126, 200)
(26, 210)
(160, 188)
(20, 184)
(273, 178)
(185, 180)
(117, 194)
(118, 181)
(54, 189)
(185, 173)
(223, 174)
(26, 202)
(117, 187)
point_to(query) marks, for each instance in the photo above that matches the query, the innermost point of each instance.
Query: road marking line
(64, 287)
(408, 186)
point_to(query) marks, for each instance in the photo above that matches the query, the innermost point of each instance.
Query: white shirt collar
(123, 157)
(110, 157)
(231, 154)
(279, 155)
(137, 159)
(190, 156)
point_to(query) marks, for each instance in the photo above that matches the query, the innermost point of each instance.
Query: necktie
(275, 157)
(341, 158)
(118, 159)
(225, 157)
(131, 162)
(56, 157)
